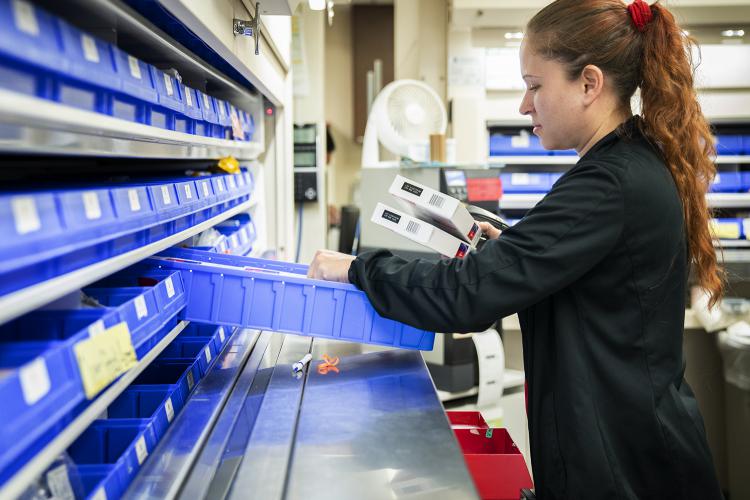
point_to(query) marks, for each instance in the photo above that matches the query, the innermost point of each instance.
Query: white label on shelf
(168, 84)
(135, 68)
(220, 105)
(233, 240)
(34, 381)
(220, 183)
(520, 179)
(141, 450)
(96, 328)
(59, 484)
(135, 202)
(25, 214)
(717, 179)
(207, 352)
(221, 334)
(243, 236)
(100, 494)
(206, 102)
(241, 180)
(170, 287)
(223, 245)
(25, 17)
(231, 183)
(169, 409)
(90, 51)
(165, 195)
(141, 310)
(204, 185)
(190, 380)
(520, 141)
(188, 192)
(188, 97)
(91, 205)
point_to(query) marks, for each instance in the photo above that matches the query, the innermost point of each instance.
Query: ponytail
(641, 46)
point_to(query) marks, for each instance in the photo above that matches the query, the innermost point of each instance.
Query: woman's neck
(604, 127)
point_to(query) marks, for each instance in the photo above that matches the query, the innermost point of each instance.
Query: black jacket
(597, 272)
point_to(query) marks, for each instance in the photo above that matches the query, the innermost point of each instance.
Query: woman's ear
(593, 83)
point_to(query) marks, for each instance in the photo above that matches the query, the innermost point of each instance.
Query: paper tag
(207, 352)
(188, 97)
(169, 409)
(59, 483)
(135, 202)
(233, 240)
(34, 379)
(520, 179)
(100, 494)
(190, 380)
(141, 310)
(90, 51)
(103, 358)
(220, 105)
(135, 68)
(25, 17)
(221, 334)
(91, 205)
(96, 328)
(220, 183)
(206, 102)
(170, 287)
(243, 237)
(168, 84)
(188, 192)
(231, 183)
(241, 180)
(141, 450)
(520, 141)
(25, 214)
(717, 179)
(165, 195)
(223, 245)
(205, 189)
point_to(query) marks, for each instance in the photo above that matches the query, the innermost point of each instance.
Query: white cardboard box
(420, 231)
(437, 209)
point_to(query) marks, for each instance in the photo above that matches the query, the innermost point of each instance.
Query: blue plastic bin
(525, 182)
(729, 145)
(746, 144)
(224, 129)
(219, 334)
(183, 374)
(508, 145)
(201, 349)
(96, 477)
(727, 182)
(265, 299)
(151, 402)
(30, 35)
(171, 103)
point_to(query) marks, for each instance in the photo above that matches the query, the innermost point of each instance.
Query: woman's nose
(526, 105)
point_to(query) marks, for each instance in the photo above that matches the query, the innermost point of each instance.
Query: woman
(597, 271)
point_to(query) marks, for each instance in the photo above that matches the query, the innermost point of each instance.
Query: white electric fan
(404, 112)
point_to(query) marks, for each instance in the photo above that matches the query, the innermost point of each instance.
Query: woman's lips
(537, 128)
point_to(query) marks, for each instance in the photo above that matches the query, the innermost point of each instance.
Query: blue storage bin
(171, 103)
(224, 129)
(83, 209)
(208, 109)
(564, 152)
(746, 145)
(525, 182)
(132, 203)
(96, 477)
(508, 145)
(199, 349)
(729, 145)
(181, 374)
(726, 182)
(30, 36)
(248, 124)
(554, 177)
(26, 220)
(250, 262)
(135, 76)
(151, 402)
(218, 334)
(265, 299)
(91, 60)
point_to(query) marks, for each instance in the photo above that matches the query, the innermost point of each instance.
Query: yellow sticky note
(104, 357)
(230, 165)
(725, 230)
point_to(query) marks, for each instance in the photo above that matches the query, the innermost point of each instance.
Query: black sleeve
(566, 234)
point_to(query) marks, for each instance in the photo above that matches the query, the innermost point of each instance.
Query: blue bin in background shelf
(193, 111)
(30, 35)
(171, 103)
(523, 182)
(201, 349)
(746, 144)
(509, 145)
(224, 131)
(563, 152)
(182, 374)
(729, 145)
(151, 402)
(138, 94)
(267, 299)
(727, 182)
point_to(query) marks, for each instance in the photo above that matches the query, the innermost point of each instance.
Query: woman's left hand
(330, 266)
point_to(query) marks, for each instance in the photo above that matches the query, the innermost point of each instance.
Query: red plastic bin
(495, 463)
(466, 420)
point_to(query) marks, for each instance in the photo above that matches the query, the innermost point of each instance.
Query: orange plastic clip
(328, 365)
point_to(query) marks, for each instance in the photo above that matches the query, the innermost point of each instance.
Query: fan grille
(414, 113)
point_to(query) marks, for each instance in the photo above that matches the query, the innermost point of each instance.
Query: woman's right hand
(489, 230)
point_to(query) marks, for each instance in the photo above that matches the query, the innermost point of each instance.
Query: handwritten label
(141, 450)
(205, 189)
(25, 17)
(165, 195)
(169, 409)
(90, 50)
(170, 287)
(25, 214)
(135, 202)
(168, 84)
(135, 68)
(141, 310)
(188, 192)
(35, 383)
(91, 205)
(103, 358)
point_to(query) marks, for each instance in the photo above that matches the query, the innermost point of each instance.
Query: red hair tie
(641, 14)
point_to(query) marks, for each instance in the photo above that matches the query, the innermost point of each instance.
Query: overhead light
(514, 35)
(317, 4)
(733, 33)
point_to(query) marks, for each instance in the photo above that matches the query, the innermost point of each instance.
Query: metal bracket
(249, 28)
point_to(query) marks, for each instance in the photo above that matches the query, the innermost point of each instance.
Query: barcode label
(204, 185)
(221, 334)
(190, 380)
(25, 214)
(135, 202)
(96, 328)
(436, 201)
(206, 102)
(135, 68)
(141, 450)
(168, 84)
(90, 51)
(91, 206)
(412, 227)
(25, 17)
(34, 379)
(188, 97)
(169, 409)
(170, 287)
(141, 310)
(165, 195)
(188, 192)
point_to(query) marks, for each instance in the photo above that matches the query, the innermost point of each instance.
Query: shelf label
(241, 180)
(221, 334)
(188, 97)
(520, 141)
(100, 494)
(96, 328)
(188, 192)
(141, 450)
(231, 183)
(91, 205)
(135, 68)
(223, 245)
(243, 237)
(190, 380)
(520, 179)
(233, 240)
(135, 202)
(25, 17)
(25, 214)
(34, 379)
(206, 102)
(220, 105)
(170, 287)
(141, 310)
(103, 358)
(90, 51)
(168, 84)
(169, 409)
(205, 188)
(220, 183)
(207, 352)
(59, 483)
(165, 195)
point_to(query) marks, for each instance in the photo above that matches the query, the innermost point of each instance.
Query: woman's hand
(488, 229)
(330, 266)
